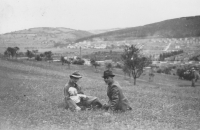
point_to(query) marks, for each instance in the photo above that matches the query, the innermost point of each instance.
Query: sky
(91, 14)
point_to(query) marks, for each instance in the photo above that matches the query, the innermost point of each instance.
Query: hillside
(102, 30)
(169, 35)
(43, 37)
(31, 94)
(173, 28)
(153, 39)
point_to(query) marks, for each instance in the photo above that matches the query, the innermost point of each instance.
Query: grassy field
(31, 96)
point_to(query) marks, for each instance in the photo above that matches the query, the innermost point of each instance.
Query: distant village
(164, 44)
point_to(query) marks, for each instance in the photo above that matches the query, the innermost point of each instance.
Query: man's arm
(115, 99)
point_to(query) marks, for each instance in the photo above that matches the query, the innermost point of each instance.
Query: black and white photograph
(99, 65)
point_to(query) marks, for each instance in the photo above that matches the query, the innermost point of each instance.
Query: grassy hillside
(173, 28)
(41, 38)
(31, 94)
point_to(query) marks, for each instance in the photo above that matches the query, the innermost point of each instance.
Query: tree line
(169, 54)
(12, 52)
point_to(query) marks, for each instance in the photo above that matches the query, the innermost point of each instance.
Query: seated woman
(89, 101)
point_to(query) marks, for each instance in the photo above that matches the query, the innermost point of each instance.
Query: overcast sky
(91, 14)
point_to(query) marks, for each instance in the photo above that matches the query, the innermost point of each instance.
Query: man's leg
(92, 102)
(96, 103)
(105, 107)
(81, 105)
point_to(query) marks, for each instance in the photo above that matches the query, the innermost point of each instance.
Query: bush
(159, 71)
(118, 65)
(108, 65)
(38, 58)
(79, 61)
(167, 70)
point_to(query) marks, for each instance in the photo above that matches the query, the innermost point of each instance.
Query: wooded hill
(173, 28)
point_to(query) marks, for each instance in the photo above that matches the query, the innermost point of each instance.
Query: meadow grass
(31, 98)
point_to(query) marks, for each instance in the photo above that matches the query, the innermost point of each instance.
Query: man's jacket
(117, 100)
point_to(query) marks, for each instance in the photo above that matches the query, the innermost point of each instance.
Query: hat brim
(75, 76)
(108, 76)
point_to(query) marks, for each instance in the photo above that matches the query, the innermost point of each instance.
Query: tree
(29, 54)
(134, 61)
(11, 51)
(62, 59)
(126, 71)
(7, 53)
(68, 62)
(94, 63)
(38, 58)
(108, 65)
(78, 61)
(48, 55)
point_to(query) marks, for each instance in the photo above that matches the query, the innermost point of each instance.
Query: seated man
(89, 101)
(117, 100)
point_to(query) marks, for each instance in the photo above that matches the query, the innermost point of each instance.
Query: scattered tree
(134, 62)
(94, 63)
(67, 61)
(62, 59)
(38, 58)
(78, 61)
(126, 71)
(109, 66)
(29, 54)
(11, 51)
(7, 53)
(48, 55)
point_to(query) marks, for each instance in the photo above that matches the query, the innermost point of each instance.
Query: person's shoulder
(116, 84)
(67, 85)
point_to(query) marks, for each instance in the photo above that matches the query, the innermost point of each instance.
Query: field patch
(31, 94)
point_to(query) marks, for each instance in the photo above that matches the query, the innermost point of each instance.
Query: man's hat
(75, 75)
(108, 73)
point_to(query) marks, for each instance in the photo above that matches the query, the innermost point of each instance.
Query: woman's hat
(108, 73)
(75, 75)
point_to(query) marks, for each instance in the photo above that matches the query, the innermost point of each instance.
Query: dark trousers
(90, 102)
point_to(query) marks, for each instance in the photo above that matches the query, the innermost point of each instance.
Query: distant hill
(173, 28)
(102, 30)
(41, 37)
(165, 36)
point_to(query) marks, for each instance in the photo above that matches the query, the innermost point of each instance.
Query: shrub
(79, 61)
(38, 58)
(118, 65)
(108, 65)
(159, 71)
